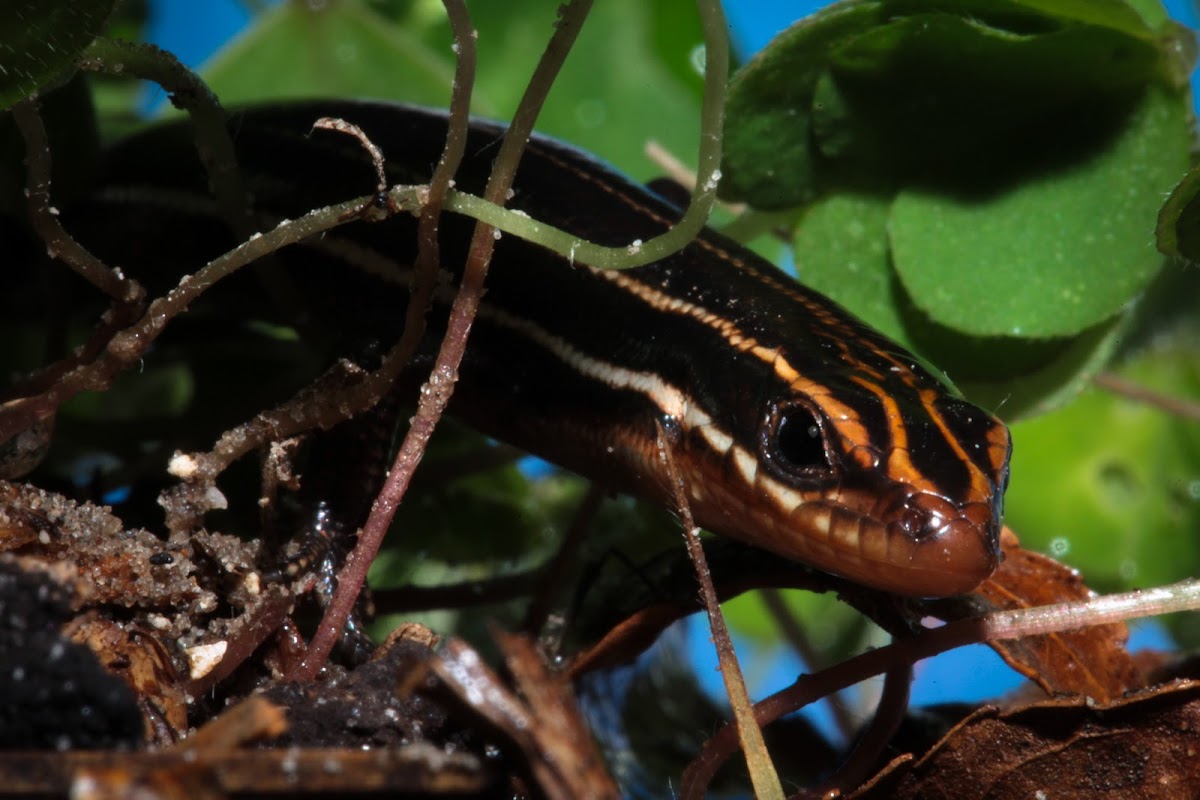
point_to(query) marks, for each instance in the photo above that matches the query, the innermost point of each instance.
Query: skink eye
(793, 443)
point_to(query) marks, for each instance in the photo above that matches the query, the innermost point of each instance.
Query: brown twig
(864, 759)
(363, 394)
(1179, 406)
(762, 772)
(338, 125)
(809, 688)
(252, 719)
(544, 723)
(265, 619)
(129, 345)
(214, 148)
(557, 570)
(996, 625)
(436, 394)
(795, 635)
(44, 216)
(113, 352)
(335, 772)
(337, 395)
(25, 428)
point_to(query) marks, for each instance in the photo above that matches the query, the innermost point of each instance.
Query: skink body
(796, 427)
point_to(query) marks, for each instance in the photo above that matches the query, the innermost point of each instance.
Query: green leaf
(942, 100)
(870, 92)
(1022, 378)
(841, 251)
(1134, 18)
(1178, 229)
(648, 88)
(834, 629)
(1114, 14)
(652, 90)
(1052, 256)
(40, 40)
(768, 156)
(337, 49)
(980, 175)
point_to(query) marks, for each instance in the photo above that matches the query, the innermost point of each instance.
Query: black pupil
(798, 441)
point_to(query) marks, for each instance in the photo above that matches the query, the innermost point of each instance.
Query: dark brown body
(798, 428)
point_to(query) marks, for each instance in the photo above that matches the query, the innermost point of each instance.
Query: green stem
(704, 195)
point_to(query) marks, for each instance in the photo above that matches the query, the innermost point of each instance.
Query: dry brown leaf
(544, 724)
(138, 658)
(253, 718)
(1092, 662)
(1144, 746)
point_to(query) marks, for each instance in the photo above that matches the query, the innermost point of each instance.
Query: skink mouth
(940, 547)
(903, 541)
(900, 540)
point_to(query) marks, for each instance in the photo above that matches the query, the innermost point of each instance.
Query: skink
(796, 427)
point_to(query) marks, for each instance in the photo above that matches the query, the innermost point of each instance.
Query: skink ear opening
(792, 442)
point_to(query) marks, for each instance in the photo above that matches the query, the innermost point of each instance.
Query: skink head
(901, 489)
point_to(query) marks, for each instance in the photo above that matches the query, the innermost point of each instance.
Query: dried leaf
(565, 738)
(545, 725)
(253, 718)
(1142, 746)
(142, 661)
(1091, 662)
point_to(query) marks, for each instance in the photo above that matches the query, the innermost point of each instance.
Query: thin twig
(996, 625)
(1106, 609)
(559, 567)
(716, 71)
(127, 347)
(796, 636)
(762, 772)
(864, 759)
(44, 215)
(216, 151)
(262, 623)
(436, 393)
(339, 125)
(1179, 406)
(808, 688)
(112, 353)
(343, 391)
(677, 171)
(214, 148)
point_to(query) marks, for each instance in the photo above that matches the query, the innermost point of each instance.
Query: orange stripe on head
(981, 484)
(899, 461)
